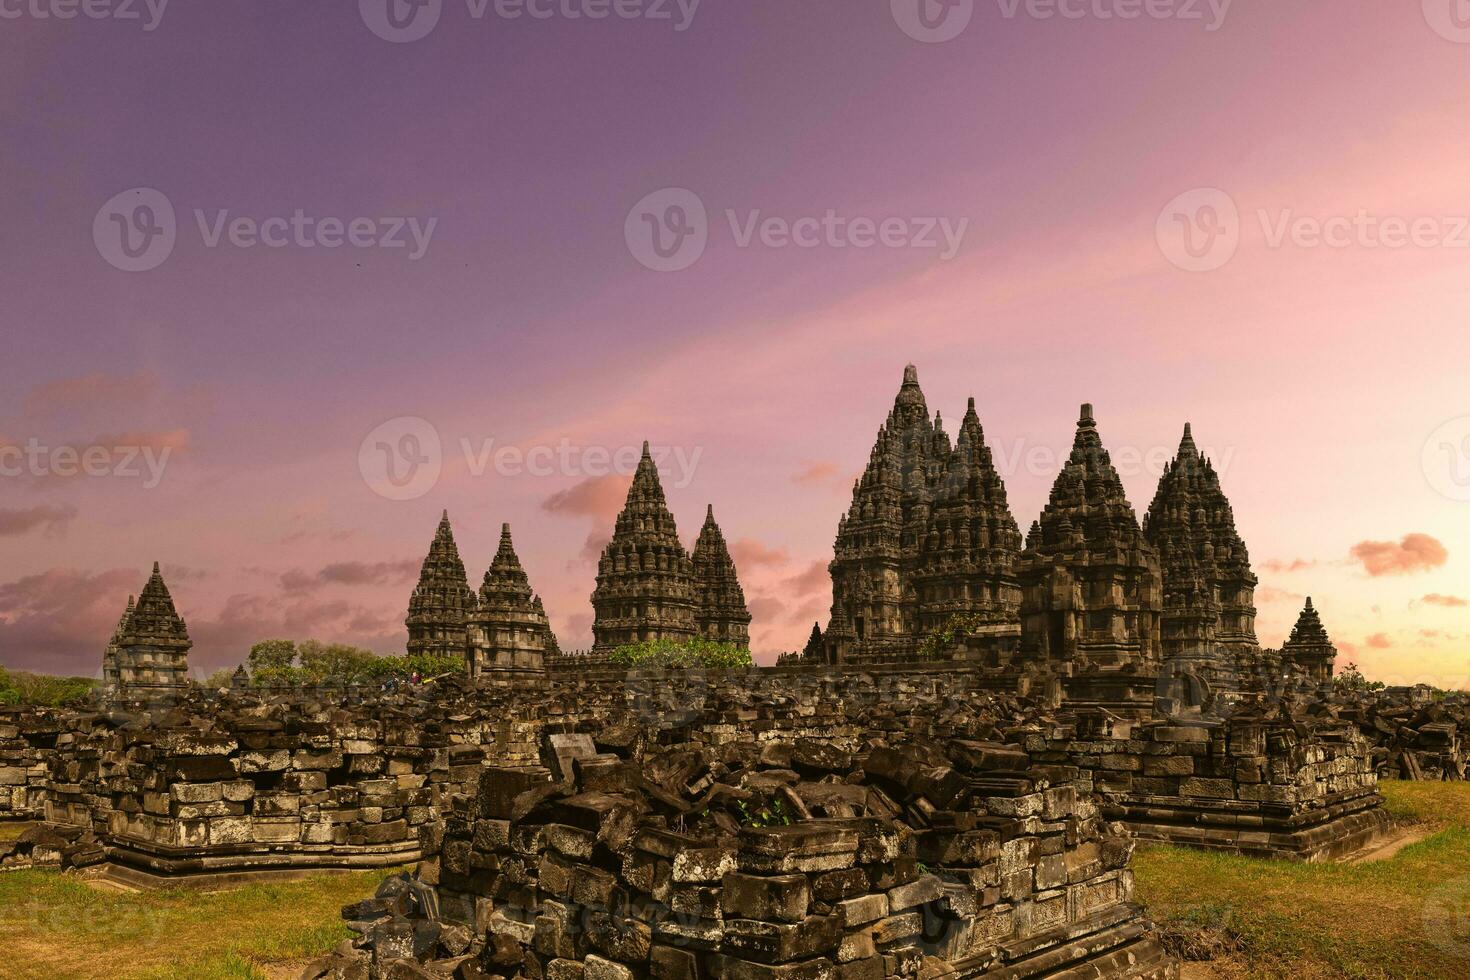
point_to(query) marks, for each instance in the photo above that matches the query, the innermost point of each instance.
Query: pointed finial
(910, 375)
(155, 568)
(709, 513)
(1087, 417)
(646, 453)
(972, 403)
(505, 529)
(445, 516)
(1309, 602)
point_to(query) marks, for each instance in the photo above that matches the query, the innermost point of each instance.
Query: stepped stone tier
(648, 586)
(928, 539)
(1309, 652)
(1209, 590)
(150, 647)
(720, 610)
(439, 609)
(1091, 582)
(507, 631)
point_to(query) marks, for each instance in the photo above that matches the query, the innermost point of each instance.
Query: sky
(283, 281)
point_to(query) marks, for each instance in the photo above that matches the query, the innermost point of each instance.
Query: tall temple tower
(1309, 651)
(1206, 572)
(720, 612)
(928, 540)
(150, 648)
(967, 556)
(508, 632)
(645, 578)
(1091, 582)
(874, 600)
(441, 603)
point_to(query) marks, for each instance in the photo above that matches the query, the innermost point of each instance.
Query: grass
(58, 926)
(1408, 916)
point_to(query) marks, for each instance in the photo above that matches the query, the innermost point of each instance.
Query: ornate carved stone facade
(928, 538)
(150, 648)
(441, 604)
(507, 632)
(720, 610)
(648, 586)
(1091, 581)
(1209, 622)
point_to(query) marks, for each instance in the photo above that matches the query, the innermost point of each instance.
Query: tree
(272, 655)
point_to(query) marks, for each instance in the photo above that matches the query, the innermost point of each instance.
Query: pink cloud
(817, 473)
(51, 520)
(1378, 641)
(749, 553)
(97, 391)
(59, 620)
(1415, 553)
(351, 573)
(1451, 601)
(1293, 565)
(598, 497)
(1267, 593)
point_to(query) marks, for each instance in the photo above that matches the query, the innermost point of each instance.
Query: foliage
(43, 690)
(286, 663)
(1351, 679)
(941, 641)
(220, 678)
(773, 814)
(682, 654)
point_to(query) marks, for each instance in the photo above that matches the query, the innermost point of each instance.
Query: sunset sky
(1324, 373)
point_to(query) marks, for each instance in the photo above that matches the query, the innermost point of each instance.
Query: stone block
(782, 898)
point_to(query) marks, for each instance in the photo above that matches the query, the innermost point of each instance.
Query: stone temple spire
(720, 612)
(151, 646)
(969, 547)
(442, 601)
(645, 579)
(110, 677)
(1191, 524)
(1091, 580)
(508, 632)
(1309, 650)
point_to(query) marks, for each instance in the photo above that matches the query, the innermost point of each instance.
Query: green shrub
(940, 642)
(682, 654)
(43, 690)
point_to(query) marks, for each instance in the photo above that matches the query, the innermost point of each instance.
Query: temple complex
(439, 608)
(507, 631)
(648, 586)
(150, 648)
(1209, 622)
(1091, 582)
(720, 612)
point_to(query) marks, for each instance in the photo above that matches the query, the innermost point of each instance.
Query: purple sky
(1317, 375)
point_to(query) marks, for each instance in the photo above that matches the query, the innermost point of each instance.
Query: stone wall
(1264, 786)
(27, 740)
(783, 859)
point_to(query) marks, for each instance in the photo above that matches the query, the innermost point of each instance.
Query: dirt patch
(1387, 847)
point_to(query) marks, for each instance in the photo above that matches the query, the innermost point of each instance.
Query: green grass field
(1407, 916)
(57, 926)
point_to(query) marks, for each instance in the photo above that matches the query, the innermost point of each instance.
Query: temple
(507, 632)
(150, 647)
(439, 609)
(1209, 621)
(1091, 582)
(1308, 653)
(928, 540)
(650, 588)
